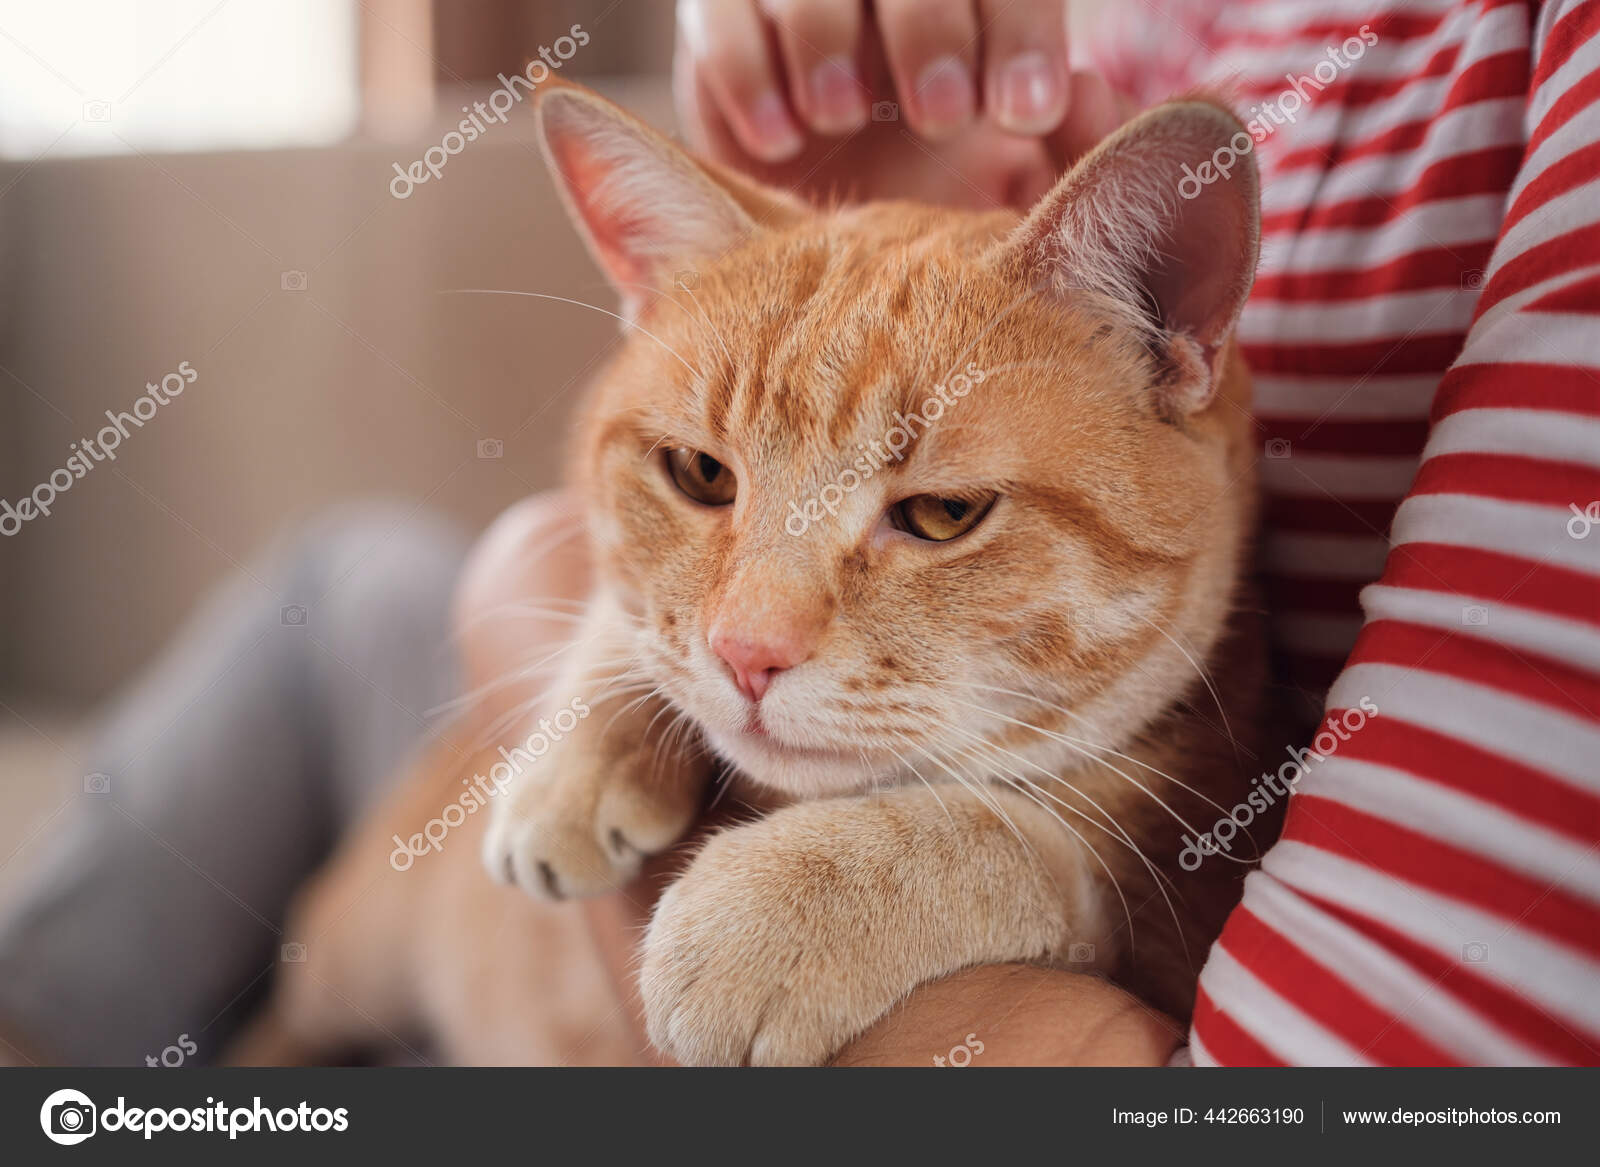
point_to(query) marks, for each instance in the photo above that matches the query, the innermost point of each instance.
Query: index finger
(1025, 86)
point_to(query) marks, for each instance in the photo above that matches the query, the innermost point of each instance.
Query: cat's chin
(791, 770)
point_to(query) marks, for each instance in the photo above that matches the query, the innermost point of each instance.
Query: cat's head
(890, 488)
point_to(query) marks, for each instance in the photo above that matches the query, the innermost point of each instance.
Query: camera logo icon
(1079, 617)
(293, 953)
(1474, 615)
(97, 111)
(1475, 952)
(68, 1117)
(293, 616)
(1080, 953)
(292, 281)
(686, 280)
(97, 783)
(491, 448)
(1278, 448)
(885, 111)
(1584, 521)
(1472, 281)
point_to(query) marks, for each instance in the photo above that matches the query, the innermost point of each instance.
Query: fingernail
(1029, 94)
(837, 98)
(777, 137)
(944, 97)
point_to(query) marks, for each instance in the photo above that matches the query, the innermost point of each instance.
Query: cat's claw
(568, 833)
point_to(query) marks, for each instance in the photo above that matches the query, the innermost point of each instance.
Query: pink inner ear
(611, 226)
(1197, 280)
(643, 204)
(1119, 224)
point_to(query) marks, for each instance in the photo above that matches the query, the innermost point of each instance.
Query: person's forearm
(1017, 1015)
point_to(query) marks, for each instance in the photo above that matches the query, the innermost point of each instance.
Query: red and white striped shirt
(1425, 341)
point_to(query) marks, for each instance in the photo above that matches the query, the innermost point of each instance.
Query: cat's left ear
(644, 206)
(1163, 218)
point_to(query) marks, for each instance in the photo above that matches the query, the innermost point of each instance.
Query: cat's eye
(701, 477)
(937, 519)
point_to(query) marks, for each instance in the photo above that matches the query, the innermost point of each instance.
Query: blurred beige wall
(365, 381)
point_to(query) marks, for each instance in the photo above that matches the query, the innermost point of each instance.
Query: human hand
(957, 102)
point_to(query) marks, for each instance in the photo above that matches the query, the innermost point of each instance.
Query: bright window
(114, 76)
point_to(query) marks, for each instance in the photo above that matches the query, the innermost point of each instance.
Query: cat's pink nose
(755, 661)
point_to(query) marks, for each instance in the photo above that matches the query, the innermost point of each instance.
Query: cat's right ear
(1161, 220)
(644, 206)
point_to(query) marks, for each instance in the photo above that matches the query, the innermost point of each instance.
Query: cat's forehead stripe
(851, 319)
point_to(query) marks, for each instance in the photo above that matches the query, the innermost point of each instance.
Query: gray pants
(219, 782)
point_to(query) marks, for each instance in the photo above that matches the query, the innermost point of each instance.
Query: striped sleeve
(1435, 897)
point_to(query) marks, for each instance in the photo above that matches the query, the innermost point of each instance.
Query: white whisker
(1204, 677)
(1068, 739)
(1077, 746)
(580, 304)
(921, 779)
(1028, 789)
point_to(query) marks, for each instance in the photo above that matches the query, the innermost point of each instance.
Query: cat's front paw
(578, 825)
(757, 955)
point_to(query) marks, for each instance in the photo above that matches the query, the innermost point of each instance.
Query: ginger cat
(927, 530)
